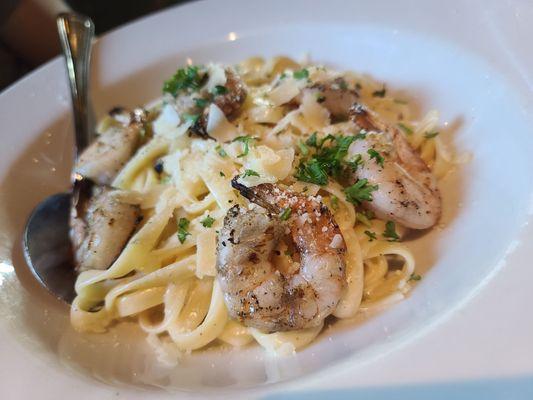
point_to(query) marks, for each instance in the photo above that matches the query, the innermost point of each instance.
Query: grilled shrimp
(104, 158)
(407, 190)
(101, 224)
(335, 96)
(258, 293)
(229, 102)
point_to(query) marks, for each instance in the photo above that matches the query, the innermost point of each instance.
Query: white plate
(469, 317)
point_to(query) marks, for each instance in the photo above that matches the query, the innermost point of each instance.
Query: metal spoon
(47, 246)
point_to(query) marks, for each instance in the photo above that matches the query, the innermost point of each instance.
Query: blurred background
(28, 35)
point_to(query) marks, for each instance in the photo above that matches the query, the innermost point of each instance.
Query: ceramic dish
(474, 295)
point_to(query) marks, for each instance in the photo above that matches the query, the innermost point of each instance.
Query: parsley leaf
(390, 232)
(284, 216)
(183, 225)
(376, 156)
(414, 277)
(245, 140)
(361, 135)
(200, 103)
(371, 236)
(364, 217)
(407, 129)
(312, 172)
(328, 160)
(301, 74)
(221, 173)
(303, 148)
(430, 135)
(312, 140)
(185, 79)
(249, 172)
(219, 89)
(207, 222)
(356, 162)
(221, 152)
(380, 93)
(191, 117)
(360, 191)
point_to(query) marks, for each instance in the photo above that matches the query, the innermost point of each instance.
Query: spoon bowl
(47, 247)
(46, 242)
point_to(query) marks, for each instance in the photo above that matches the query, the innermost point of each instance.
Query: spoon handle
(76, 33)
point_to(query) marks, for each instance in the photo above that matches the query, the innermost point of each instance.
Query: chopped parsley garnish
(207, 222)
(312, 140)
(356, 162)
(249, 172)
(343, 85)
(245, 140)
(286, 213)
(221, 152)
(407, 129)
(312, 172)
(219, 89)
(183, 225)
(301, 74)
(191, 117)
(334, 201)
(380, 93)
(364, 216)
(326, 161)
(361, 135)
(376, 156)
(414, 277)
(390, 232)
(221, 173)
(283, 75)
(200, 103)
(371, 236)
(185, 79)
(360, 191)
(358, 86)
(430, 135)
(303, 148)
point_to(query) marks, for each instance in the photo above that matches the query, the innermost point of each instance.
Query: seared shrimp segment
(104, 158)
(101, 224)
(229, 102)
(335, 96)
(407, 190)
(261, 295)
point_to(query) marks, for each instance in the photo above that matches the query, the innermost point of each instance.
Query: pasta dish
(256, 202)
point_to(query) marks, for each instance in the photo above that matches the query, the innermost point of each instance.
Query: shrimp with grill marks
(258, 293)
(407, 190)
(104, 158)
